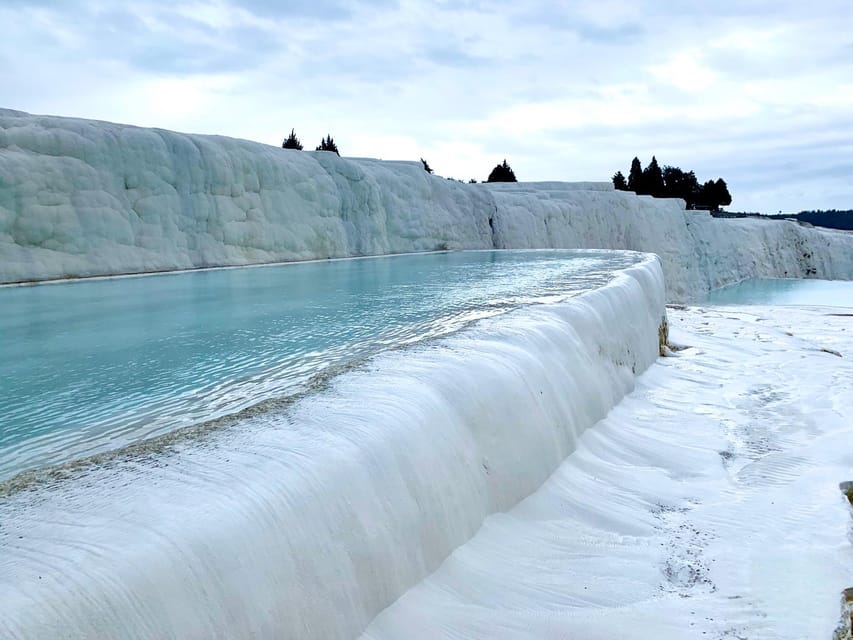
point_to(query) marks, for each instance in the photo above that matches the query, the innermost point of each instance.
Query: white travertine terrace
(82, 198)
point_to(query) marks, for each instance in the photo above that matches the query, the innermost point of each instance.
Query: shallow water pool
(836, 293)
(94, 365)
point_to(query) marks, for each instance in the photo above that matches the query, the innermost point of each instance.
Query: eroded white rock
(81, 198)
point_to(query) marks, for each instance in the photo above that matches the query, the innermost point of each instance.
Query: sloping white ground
(80, 197)
(705, 505)
(306, 523)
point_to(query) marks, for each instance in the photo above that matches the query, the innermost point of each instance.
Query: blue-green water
(94, 365)
(785, 292)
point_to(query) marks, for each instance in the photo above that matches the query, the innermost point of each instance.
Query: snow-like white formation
(80, 197)
(308, 523)
(705, 505)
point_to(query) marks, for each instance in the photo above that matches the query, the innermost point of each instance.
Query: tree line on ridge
(501, 173)
(666, 182)
(673, 182)
(653, 180)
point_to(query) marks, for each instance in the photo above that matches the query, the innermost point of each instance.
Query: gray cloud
(177, 45)
(757, 92)
(316, 9)
(453, 56)
(621, 34)
(606, 29)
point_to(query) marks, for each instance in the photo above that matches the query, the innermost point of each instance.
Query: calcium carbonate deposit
(305, 521)
(447, 446)
(82, 198)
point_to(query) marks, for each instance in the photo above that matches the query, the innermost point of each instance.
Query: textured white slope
(705, 505)
(306, 523)
(698, 252)
(80, 197)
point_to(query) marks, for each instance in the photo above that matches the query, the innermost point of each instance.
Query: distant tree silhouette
(832, 218)
(673, 179)
(653, 180)
(672, 182)
(502, 173)
(291, 142)
(472, 181)
(635, 176)
(327, 144)
(678, 184)
(725, 198)
(426, 166)
(713, 194)
(619, 182)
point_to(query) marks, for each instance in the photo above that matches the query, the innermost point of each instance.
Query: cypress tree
(635, 176)
(653, 180)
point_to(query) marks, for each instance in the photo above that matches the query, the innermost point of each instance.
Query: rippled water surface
(94, 365)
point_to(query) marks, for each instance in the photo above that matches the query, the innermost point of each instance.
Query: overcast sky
(757, 92)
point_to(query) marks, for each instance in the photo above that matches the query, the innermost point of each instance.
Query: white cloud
(685, 71)
(563, 91)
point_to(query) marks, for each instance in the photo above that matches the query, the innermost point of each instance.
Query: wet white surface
(705, 505)
(306, 520)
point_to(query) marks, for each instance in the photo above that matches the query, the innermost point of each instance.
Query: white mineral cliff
(82, 198)
(308, 522)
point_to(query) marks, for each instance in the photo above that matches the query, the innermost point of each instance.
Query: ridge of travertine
(307, 522)
(86, 198)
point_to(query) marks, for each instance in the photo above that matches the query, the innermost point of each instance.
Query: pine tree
(292, 142)
(653, 180)
(619, 182)
(502, 173)
(426, 166)
(635, 176)
(328, 144)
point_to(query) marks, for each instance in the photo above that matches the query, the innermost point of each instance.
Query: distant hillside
(831, 219)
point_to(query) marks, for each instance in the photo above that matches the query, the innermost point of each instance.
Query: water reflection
(785, 292)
